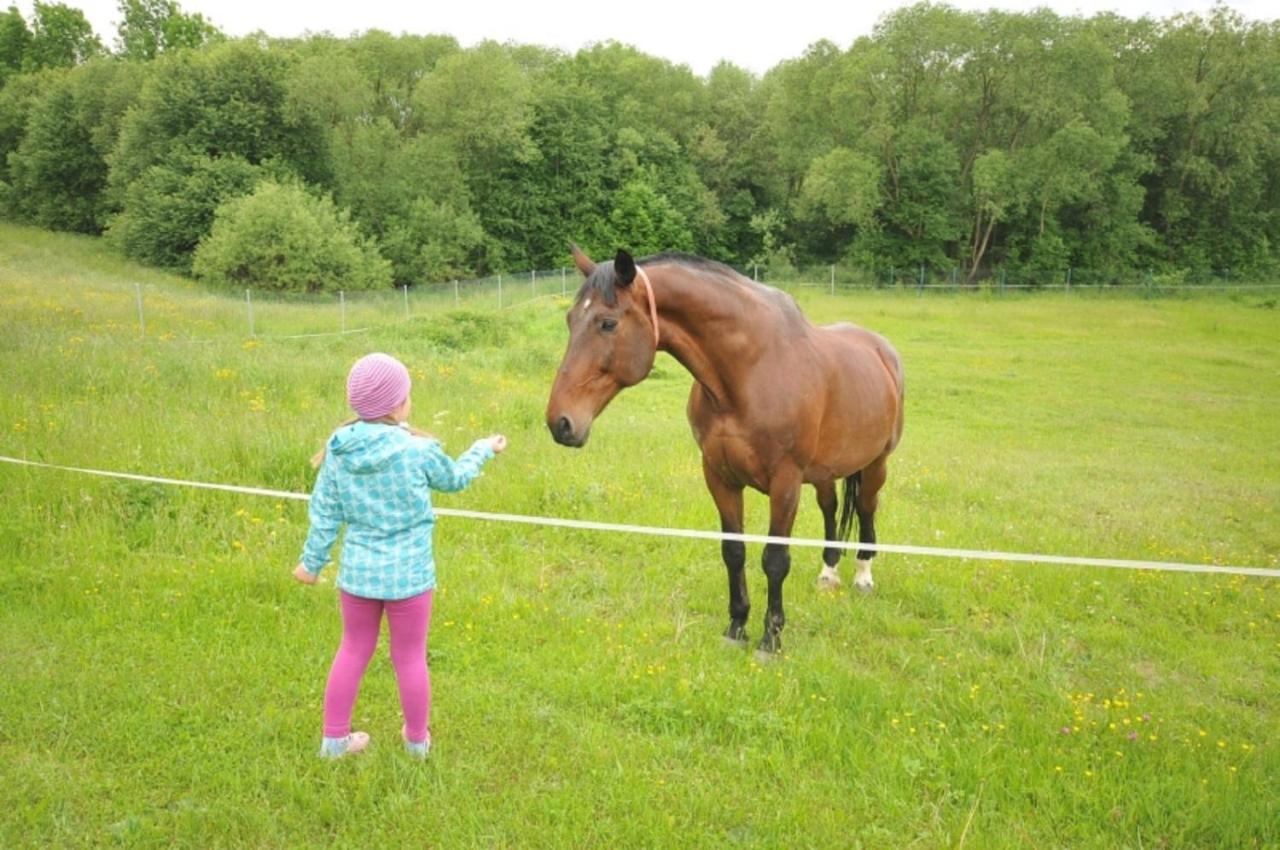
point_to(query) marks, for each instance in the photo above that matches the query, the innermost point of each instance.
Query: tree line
(948, 139)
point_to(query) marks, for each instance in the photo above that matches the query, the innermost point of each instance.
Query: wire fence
(922, 277)
(195, 314)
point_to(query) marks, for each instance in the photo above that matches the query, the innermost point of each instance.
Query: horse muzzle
(565, 432)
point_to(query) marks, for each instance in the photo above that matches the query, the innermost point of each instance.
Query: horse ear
(624, 267)
(582, 261)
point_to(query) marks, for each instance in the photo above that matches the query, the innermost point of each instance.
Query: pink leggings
(408, 620)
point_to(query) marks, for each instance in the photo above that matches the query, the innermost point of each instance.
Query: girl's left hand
(301, 574)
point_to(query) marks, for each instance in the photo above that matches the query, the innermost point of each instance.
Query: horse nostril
(564, 427)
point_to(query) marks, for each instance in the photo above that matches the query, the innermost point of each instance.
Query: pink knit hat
(377, 385)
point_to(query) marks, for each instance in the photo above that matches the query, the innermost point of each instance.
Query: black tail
(851, 486)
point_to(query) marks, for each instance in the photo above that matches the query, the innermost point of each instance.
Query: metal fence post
(563, 289)
(833, 280)
(342, 302)
(533, 283)
(248, 300)
(499, 292)
(455, 292)
(406, 300)
(142, 322)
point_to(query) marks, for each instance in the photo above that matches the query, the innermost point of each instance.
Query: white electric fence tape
(588, 525)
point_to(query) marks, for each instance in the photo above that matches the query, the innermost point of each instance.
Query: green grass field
(161, 673)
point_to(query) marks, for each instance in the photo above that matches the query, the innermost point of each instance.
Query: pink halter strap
(653, 304)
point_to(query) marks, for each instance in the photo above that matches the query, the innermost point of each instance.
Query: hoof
(863, 580)
(736, 635)
(770, 646)
(829, 579)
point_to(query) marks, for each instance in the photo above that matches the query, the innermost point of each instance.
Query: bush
(282, 238)
(434, 242)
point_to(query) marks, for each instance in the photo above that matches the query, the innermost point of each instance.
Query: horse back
(866, 382)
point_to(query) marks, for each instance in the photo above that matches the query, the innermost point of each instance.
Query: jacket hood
(366, 447)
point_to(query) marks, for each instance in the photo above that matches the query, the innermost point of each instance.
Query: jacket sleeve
(325, 513)
(449, 475)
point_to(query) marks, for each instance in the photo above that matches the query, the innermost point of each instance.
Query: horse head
(611, 345)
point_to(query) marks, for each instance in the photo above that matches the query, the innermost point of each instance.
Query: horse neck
(709, 326)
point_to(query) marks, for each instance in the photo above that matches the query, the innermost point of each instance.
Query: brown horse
(776, 402)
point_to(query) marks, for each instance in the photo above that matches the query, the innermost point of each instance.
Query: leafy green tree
(559, 192)
(478, 102)
(231, 99)
(733, 159)
(17, 98)
(394, 66)
(643, 221)
(1205, 92)
(59, 170)
(842, 186)
(282, 238)
(15, 40)
(55, 175)
(170, 208)
(61, 37)
(151, 27)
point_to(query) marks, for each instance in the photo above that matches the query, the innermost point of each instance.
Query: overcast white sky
(697, 33)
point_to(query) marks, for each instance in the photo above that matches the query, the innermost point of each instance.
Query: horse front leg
(728, 499)
(784, 496)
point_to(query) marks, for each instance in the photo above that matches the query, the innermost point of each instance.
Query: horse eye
(607, 325)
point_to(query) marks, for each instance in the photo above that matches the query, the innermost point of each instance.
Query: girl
(376, 476)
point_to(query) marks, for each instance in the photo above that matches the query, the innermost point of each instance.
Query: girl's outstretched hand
(301, 574)
(498, 442)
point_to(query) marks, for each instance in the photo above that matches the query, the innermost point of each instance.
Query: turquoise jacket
(377, 480)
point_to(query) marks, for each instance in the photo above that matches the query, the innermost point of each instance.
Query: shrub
(434, 242)
(282, 238)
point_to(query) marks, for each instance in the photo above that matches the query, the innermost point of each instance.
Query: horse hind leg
(866, 499)
(828, 502)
